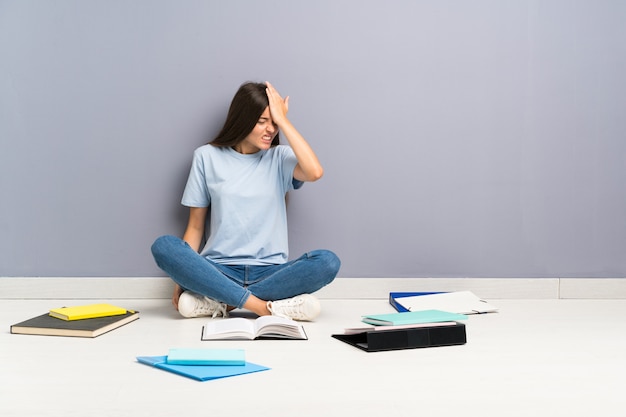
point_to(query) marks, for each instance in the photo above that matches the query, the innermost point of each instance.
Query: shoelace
(207, 306)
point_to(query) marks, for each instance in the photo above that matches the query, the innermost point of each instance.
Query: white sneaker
(303, 307)
(194, 305)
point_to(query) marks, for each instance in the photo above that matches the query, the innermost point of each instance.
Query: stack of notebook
(90, 320)
(423, 319)
(406, 330)
(203, 364)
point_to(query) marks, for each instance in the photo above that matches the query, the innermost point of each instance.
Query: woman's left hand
(278, 105)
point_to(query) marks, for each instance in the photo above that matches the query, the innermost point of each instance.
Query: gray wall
(460, 138)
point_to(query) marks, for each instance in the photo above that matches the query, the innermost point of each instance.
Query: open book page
(268, 327)
(278, 327)
(232, 328)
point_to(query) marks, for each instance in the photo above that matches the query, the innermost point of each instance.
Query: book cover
(46, 325)
(462, 302)
(89, 311)
(412, 317)
(216, 357)
(419, 337)
(200, 372)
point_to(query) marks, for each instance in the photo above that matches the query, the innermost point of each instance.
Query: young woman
(236, 196)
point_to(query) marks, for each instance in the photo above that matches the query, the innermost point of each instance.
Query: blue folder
(201, 372)
(394, 296)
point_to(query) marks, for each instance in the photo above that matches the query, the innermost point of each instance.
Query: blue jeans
(233, 284)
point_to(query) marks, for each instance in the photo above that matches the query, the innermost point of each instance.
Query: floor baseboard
(341, 288)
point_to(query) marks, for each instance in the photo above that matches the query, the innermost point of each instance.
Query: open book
(265, 327)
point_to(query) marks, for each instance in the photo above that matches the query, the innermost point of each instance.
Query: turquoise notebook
(222, 357)
(200, 372)
(412, 317)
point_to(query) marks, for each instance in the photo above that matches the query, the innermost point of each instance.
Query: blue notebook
(201, 372)
(412, 317)
(222, 357)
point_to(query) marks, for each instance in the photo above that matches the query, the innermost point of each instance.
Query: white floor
(533, 358)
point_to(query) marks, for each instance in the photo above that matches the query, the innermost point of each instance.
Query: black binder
(419, 337)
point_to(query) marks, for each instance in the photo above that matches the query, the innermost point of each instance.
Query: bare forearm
(309, 167)
(195, 227)
(193, 238)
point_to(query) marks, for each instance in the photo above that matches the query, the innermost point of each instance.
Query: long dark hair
(247, 106)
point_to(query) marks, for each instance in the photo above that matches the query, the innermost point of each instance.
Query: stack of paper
(461, 302)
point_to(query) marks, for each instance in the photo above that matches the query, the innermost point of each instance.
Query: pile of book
(203, 364)
(423, 319)
(90, 320)
(406, 330)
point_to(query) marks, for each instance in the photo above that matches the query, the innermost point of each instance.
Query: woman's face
(261, 136)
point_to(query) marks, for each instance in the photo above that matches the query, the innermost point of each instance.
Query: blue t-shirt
(246, 196)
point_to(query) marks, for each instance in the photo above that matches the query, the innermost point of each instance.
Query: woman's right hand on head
(177, 292)
(278, 105)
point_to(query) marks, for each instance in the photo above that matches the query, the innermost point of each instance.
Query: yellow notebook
(87, 311)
